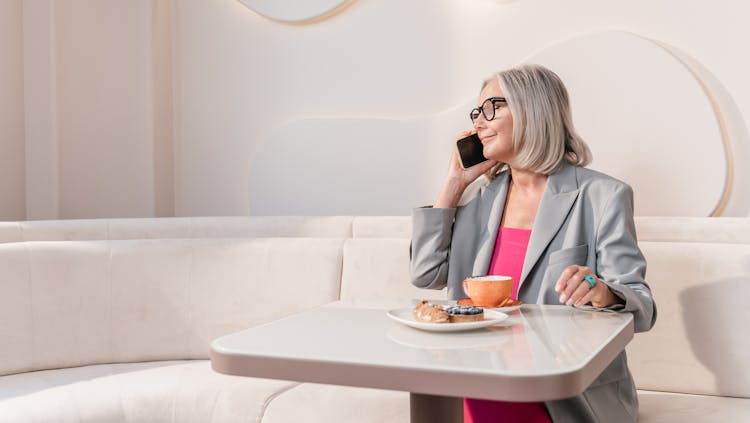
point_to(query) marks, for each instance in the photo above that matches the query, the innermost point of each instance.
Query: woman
(565, 233)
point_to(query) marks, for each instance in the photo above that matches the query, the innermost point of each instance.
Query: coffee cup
(488, 291)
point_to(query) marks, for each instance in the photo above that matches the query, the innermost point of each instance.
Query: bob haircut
(543, 131)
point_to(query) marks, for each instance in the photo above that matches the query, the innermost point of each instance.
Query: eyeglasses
(487, 109)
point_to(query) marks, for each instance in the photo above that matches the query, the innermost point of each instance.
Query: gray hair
(543, 131)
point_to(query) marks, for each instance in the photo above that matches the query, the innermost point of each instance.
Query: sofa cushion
(665, 407)
(376, 272)
(86, 302)
(315, 403)
(697, 344)
(170, 391)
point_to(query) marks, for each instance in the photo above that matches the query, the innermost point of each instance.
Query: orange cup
(488, 291)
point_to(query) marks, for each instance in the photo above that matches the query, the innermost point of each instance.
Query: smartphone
(470, 151)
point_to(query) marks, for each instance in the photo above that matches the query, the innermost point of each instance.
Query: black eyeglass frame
(474, 113)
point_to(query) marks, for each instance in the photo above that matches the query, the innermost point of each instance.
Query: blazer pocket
(569, 256)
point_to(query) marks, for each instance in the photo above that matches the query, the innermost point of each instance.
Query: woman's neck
(527, 181)
(522, 201)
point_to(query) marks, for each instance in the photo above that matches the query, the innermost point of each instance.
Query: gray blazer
(584, 218)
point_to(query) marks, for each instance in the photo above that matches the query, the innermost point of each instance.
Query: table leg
(436, 409)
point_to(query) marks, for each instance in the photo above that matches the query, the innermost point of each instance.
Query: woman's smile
(486, 137)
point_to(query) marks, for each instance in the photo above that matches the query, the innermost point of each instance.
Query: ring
(590, 280)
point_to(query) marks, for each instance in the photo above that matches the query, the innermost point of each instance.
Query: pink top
(509, 254)
(507, 259)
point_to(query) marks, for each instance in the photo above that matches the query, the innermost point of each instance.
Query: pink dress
(507, 259)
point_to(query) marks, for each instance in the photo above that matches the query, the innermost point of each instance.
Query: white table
(539, 353)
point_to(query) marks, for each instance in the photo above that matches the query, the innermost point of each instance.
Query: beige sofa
(110, 319)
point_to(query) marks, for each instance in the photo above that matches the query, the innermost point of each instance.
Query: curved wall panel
(647, 120)
(734, 132)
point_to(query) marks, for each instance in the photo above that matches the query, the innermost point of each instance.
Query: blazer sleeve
(432, 230)
(620, 263)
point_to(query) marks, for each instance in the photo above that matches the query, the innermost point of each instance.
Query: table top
(541, 352)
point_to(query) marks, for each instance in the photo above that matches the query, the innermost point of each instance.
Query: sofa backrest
(376, 263)
(376, 272)
(177, 227)
(699, 342)
(381, 227)
(71, 303)
(699, 273)
(670, 229)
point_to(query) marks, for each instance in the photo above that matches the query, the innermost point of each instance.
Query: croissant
(428, 312)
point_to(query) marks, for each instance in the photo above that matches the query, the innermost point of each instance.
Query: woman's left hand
(575, 290)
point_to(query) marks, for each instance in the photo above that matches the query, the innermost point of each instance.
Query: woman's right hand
(459, 178)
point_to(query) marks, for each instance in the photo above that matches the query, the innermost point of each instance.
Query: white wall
(159, 107)
(389, 59)
(370, 61)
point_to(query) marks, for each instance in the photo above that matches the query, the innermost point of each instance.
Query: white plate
(404, 316)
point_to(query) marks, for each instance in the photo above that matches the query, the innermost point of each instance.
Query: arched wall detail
(730, 124)
(299, 12)
(734, 134)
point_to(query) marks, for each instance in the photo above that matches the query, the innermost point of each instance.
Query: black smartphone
(470, 151)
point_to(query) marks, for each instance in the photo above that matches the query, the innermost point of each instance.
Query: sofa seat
(669, 407)
(318, 403)
(160, 391)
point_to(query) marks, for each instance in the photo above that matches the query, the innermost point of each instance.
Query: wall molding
(40, 110)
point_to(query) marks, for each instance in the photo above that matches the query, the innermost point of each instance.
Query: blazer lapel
(558, 197)
(491, 211)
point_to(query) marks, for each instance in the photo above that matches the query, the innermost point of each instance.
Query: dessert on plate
(433, 313)
(464, 313)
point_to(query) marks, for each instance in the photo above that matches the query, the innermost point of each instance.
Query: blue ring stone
(590, 280)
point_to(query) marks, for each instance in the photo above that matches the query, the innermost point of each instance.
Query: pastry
(431, 313)
(464, 313)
